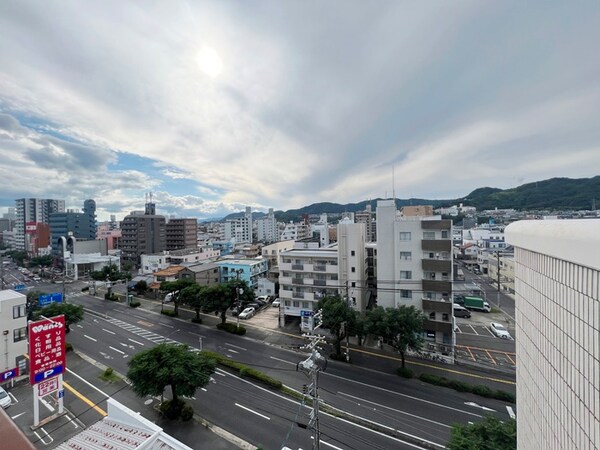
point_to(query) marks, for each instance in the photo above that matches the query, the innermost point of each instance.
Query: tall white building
(352, 268)
(295, 232)
(13, 323)
(557, 283)
(240, 229)
(33, 210)
(266, 228)
(322, 229)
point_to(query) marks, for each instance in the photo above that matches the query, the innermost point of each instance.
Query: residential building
(181, 233)
(240, 228)
(305, 277)
(13, 323)
(295, 231)
(159, 261)
(266, 228)
(557, 284)
(142, 234)
(414, 268)
(37, 238)
(352, 263)
(249, 270)
(368, 218)
(204, 274)
(321, 230)
(271, 252)
(108, 233)
(81, 225)
(33, 210)
(171, 273)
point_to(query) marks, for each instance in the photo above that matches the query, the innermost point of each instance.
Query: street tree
(218, 299)
(174, 288)
(491, 434)
(339, 318)
(401, 327)
(141, 287)
(174, 365)
(193, 296)
(73, 313)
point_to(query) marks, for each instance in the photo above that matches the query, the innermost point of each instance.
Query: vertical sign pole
(61, 402)
(36, 406)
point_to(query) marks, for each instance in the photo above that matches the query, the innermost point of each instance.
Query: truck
(476, 303)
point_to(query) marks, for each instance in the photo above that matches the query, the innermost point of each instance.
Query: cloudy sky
(216, 105)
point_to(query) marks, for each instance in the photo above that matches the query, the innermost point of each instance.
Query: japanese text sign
(46, 349)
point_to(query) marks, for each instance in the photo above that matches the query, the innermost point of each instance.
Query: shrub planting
(232, 328)
(461, 386)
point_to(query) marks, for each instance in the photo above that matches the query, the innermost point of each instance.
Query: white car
(5, 400)
(276, 303)
(500, 330)
(247, 313)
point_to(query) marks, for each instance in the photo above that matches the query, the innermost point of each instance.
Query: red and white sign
(47, 349)
(30, 227)
(47, 386)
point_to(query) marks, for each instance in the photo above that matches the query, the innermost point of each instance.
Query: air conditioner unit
(431, 346)
(443, 348)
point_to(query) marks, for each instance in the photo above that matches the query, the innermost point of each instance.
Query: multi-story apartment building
(352, 263)
(414, 268)
(266, 228)
(368, 218)
(142, 234)
(557, 270)
(112, 235)
(182, 233)
(13, 323)
(240, 228)
(204, 274)
(249, 270)
(81, 225)
(295, 231)
(33, 211)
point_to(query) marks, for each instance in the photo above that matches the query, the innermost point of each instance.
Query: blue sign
(54, 371)
(8, 374)
(46, 299)
(19, 287)
(61, 393)
(305, 313)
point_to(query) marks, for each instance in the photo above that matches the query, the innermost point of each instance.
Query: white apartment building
(305, 277)
(13, 323)
(557, 270)
(159, 261)
(322, 229)
(240, 229)
(414, 268)
(352, 263)
(266, 228)
(295, 232)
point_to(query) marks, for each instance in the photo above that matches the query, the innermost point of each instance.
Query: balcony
(436, 265)
(434, 325)
(437, 286)
(320, 282)
(436, 224)
(297, 266)
(436, 245)
(437, 306)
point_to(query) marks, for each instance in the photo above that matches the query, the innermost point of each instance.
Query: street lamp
(238, 291)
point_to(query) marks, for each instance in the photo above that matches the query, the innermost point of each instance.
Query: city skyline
(217, 106)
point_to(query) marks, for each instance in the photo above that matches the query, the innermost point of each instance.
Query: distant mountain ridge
(553, 194)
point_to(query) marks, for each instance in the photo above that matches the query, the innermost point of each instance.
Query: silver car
(5, 400)
(500, 330)
(247, 313)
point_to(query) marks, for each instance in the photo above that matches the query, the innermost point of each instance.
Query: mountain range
(552, 194)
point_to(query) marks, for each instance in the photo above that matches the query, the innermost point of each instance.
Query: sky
(214, 106)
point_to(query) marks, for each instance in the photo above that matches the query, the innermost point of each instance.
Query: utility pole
(2, 270)
(311, 367)
(346, 326)
(498, 276)
(237, 295)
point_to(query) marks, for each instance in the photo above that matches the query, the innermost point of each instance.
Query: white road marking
(79, 326)
(253, 412)
(474, 330)
(138, 343)
(46, 404)
(282, 360)
(166, 325)
(90, 338)
(235, 346)
(204, 389)
(232, 350)
(511, 412)
(475, 405)
(116, 350)
(327, 443)
(18, 415)
(108, 331)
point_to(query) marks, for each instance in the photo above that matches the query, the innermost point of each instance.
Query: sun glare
(209, 62)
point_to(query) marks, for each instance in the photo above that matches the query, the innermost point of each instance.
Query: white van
(169, 296)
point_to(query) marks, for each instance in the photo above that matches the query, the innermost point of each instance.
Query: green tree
(73, 313)
(338, 318)
(489, 434)
(18, 256)
(401, 327)
(359, 327)
(175, 288)
(218, 299)
(111, 272)
(141, 287)
(32, 303)
(193, 296)
(41, 261)
(174, 365)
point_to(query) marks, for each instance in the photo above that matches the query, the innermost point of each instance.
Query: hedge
(135, 304)
(232, 328)
(169, 313)
(461, 386)
(243, 370)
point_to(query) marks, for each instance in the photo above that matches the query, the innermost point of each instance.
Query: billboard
(46, 299)
(47, 348)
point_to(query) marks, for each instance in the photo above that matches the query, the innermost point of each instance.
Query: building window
(432, 316)
(428, 234)
(286, 303)
(405, 235)
(296, 304)
(445, 234)
(405, 275)
(406, 256)
(445, 316)
(352, 253)
(305, 305)
(19, 311)
(353, 269)
(19, 334)
(354, 284)
(405, 293)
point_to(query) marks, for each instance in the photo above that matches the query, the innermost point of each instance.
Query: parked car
(36, 278)
(5, 400)
(276, 302)
(260, 301)
(500, 330)
(263, 298)
(235, 311)
(460, 311)
(247, 313)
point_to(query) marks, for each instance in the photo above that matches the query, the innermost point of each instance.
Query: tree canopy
(339, 318)
(174, 365)
(175, 288)
(193, 296)
(73, 313)
(111, 272)
(219, 298)
(489, 434)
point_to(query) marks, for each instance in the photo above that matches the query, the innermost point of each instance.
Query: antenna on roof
(393, 185)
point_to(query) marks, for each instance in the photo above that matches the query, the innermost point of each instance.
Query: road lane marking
(471, 353)
(85, 399)
(90, 338)
(252, 411)
(393, 409)
(235, 346)
(46, 404)
(232, 350)
(18, 415)
(402, 395)
(488, 349)
(108, 331)
(512, 361)
(116, 350)
(474, 330)
(166, 325)
(283, 360)
(138, 343)
(511, 412)
(327, 443)
(490, 356)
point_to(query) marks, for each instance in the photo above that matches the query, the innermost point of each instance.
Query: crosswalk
(148, 335)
